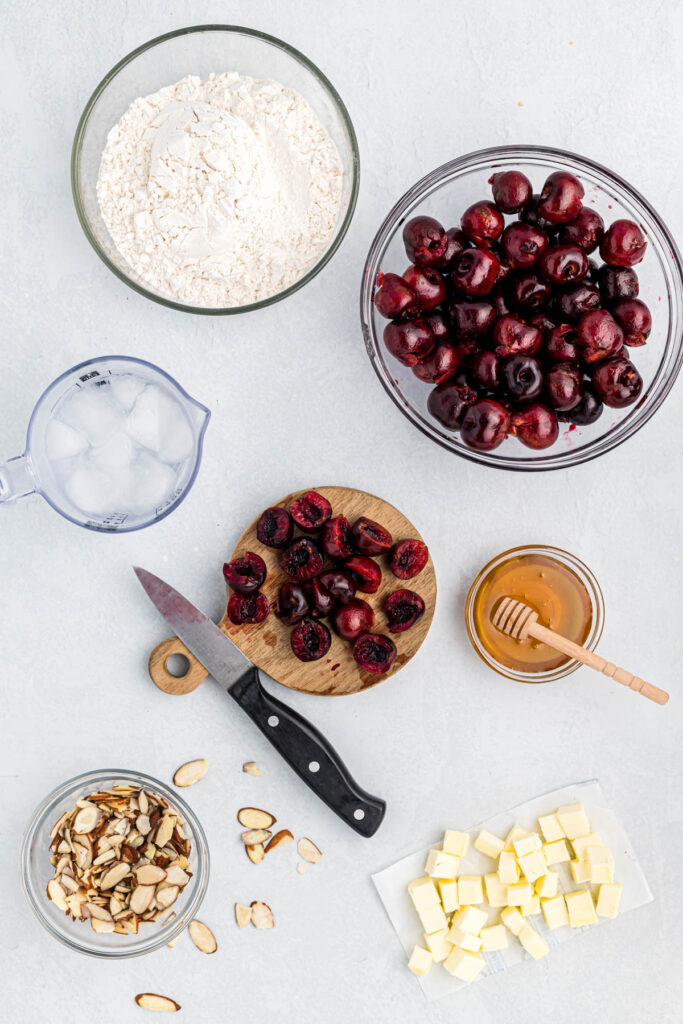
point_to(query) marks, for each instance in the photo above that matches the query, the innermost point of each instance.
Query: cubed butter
(448, 890)
(549, 825)
(555, 912)
(464, 965)
(532, 907)
(433, 919)
(546, 885)
(457, 843)
(470, 890)
(557, 852)
(420, 961)
(574, 820)
(580, 908)
(533, 864)
(601, 864)
(488, 844)
(438, 945)
(526, 844)
(493, 938)
(609, 896)
(470, 919)
(580, 870)
(519, 893)
(508, 868)
(496, 892)
(512, 919)
(533, 943)
(581, 844)
(423, 893)
(464, 940)
(516, 832)
(441, 865)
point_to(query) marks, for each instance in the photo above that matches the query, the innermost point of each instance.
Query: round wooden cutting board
(267, 644)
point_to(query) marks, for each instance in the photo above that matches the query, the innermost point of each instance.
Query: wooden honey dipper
(518, 620)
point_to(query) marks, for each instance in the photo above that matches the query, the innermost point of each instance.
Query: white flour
(220, 192)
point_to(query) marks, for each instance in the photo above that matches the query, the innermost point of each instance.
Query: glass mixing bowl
(446, 193)
(201, 50)
(36, 870)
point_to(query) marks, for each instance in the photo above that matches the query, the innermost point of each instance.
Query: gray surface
(294, 404)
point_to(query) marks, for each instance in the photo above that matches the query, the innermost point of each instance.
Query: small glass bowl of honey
(558, 586)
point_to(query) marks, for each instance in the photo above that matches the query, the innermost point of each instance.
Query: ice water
(118, 445)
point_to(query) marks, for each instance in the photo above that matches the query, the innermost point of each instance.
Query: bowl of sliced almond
(114, 864)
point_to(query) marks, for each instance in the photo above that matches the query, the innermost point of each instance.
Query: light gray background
(295, 404)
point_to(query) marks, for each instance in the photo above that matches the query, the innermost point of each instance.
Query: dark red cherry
(527, 291)
(245, 575)
(370, 537)
(429, 285)
(588, 410)
(310, 640)
(586, 230)
(635, 320)
(408, 558)
(513, 336)
(322, 601)
(338, 584)
(577, 300)
(374, 653)
(599, 336)
(531, 215)
(395, 298)
(524, 244)
(623, 244)
(485, 425)
(438, 325)
(543, 322)
(617, 382)
(475, 271)
(564, 264)
(561, 345)
(403, 609)
(409, 341)
(337, 539)
(471, 319)
(456, 243)
(482, 222)
(440, 364)
(448, 403)
(535, 425)
(522, 377)
(564, 383)
(365, 573)
(424, 239)
(511, 190)
(561, 197)
(248, 608)
(353, 619)
(617, 283)
(292, 605)
(310, 512)
(302, 560)
(275, 528)
(499, 302)
(485, 370)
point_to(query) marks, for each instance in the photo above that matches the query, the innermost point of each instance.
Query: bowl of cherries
(524, 308)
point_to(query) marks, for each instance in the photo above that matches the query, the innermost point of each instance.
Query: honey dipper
(518, 620)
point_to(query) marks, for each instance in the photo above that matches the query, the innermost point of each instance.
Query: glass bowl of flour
(215, 170)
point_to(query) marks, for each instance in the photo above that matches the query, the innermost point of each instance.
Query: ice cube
(92, 411)
(62, 441)
(116, 453)
(151, 417)
(179, 439)
(90, 489)
(125, 387)
(151, 483)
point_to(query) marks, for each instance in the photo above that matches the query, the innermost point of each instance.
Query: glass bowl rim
(586, 576)
(673, 346)
(200, 879)
(341, 231)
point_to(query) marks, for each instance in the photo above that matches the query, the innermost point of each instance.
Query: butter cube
(433, 919)
(441, 865)
(532, 907)
(470, 890)
(526, 844)
(519, 893)
(464, 940)
(420, 961)
(438, 945)
(512, 919)
(609, 896)
(574, 821)
(464, 965)
(516, 832)
(601, 864)
(580, 908)
(546, 885)
(580, 870)
(423, 893)
(457, 843)
(488, 844)
(555, 912)
(470, 919)
(496, 892)
(448, 889)
(557, 852)
(493, 938)
(533, 864)
(549, 825)
(533, 943)
(508, 868)
(581, 844)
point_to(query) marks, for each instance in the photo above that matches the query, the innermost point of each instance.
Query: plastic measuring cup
(36, 472)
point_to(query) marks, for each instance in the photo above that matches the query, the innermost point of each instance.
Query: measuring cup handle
(16, 479)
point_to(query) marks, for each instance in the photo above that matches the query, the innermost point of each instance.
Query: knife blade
(304, 748)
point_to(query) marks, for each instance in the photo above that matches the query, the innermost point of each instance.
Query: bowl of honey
(559, 587)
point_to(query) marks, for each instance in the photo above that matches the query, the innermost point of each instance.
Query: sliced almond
(86, 819)
(254, 836)
(280, 838)
(191, 772)
(202, 937)
(261, 915)
(308, 851)
(301, 867)
(149, 874)
(142, 824)
(255, 853)
(96, 911)
(166, 897)
(165, 830)
(114, 875)
(102, 926)
(104, 858)
(242, 915)
(58, 824)
(176, 876)
(254, 818)
(251, 768)
(115, 906)
(152, 1001)
(141, 898)
(56, 893)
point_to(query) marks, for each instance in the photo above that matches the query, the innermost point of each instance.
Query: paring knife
(302, 746)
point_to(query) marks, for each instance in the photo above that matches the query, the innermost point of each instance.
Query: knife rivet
(359, 814)
(273, 721)
(314, 767)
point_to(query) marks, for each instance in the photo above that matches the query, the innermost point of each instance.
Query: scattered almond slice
(152, 1001)
(301, 867)
(280, 838)
(242, 915)
(255, 853)
(255, 836)
(202, 937)
(308, 851)
(254, 817)
(102, 926)
(57, 894)
(261, 915)
(190, 773)
(251, 768)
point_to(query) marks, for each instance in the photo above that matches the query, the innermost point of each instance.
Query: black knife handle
(310, 755)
